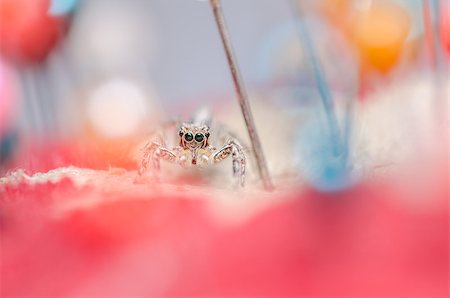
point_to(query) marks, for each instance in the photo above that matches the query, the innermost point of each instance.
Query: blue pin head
(8, 143)
(322, 160)
(62, 7)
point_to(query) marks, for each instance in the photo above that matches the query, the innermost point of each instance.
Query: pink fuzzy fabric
(362, 242)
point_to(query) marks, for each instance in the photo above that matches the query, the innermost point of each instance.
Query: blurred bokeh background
(59, 53)
(113, 70)
(169, 51)
(350, 98)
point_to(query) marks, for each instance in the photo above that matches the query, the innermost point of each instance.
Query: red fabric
(378, 239)
(363, 242)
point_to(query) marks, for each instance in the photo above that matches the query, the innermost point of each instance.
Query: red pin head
(28, 32)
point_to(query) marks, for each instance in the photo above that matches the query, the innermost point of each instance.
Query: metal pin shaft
(241, 94)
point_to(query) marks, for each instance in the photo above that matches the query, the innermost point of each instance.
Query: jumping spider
(194, 149)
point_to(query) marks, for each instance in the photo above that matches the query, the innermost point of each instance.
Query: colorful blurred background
(350, 99)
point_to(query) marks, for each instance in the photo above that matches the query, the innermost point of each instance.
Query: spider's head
(193, 136)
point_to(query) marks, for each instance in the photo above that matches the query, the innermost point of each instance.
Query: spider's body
(194, 149)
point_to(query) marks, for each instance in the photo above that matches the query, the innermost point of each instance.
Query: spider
(194, 150)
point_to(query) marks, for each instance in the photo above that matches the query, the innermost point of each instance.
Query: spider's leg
(154, 152)
(164, 154)
(148, 150)
(233, 148)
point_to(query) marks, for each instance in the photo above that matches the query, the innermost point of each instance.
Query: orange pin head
(380, 34)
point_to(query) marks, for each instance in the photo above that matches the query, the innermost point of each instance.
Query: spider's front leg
(233, 148)
(154, 152)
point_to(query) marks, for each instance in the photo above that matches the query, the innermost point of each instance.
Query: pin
(429, 31)
(431, 11)
(241, 94)
(325, 151)
(319, 75)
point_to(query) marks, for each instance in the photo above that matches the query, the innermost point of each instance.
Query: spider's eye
(188, 137)
(180, 133)
(207, 134)
(199, 137)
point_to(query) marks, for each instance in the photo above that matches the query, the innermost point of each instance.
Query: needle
(319, 75)
(241, 94)
(431, 10)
